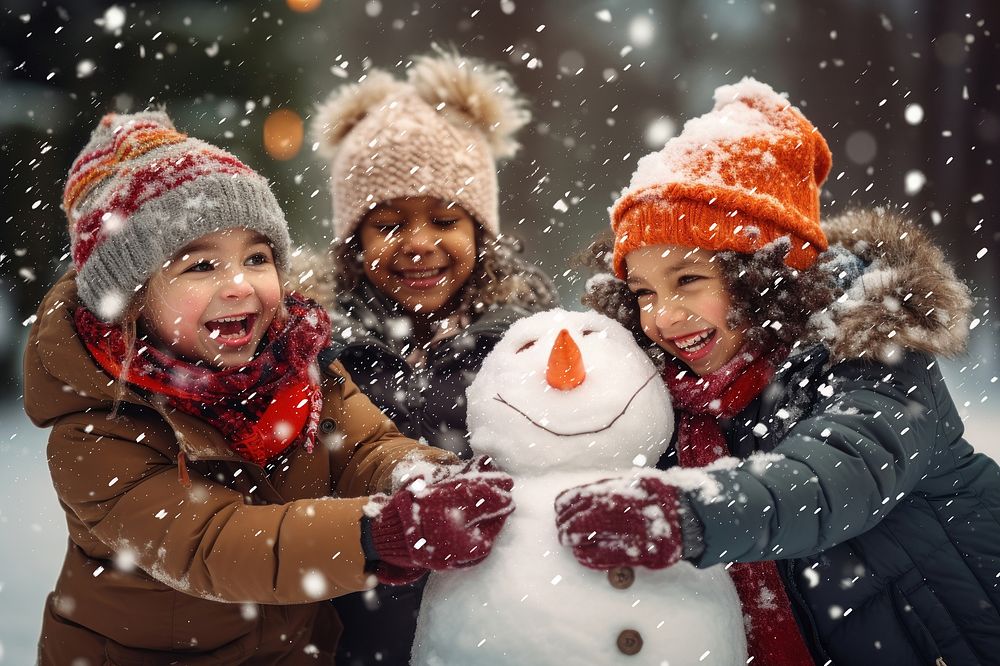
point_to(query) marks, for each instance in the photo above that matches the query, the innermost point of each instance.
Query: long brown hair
(129, 326)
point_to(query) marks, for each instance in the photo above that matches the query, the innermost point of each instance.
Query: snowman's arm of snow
(369, 446)
(837, 472)
(204, 540)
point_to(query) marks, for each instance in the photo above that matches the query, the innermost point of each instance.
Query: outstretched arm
(835, 474)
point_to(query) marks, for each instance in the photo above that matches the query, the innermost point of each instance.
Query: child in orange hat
(861, 526)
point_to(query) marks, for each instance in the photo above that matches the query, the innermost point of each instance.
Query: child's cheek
(649, 326)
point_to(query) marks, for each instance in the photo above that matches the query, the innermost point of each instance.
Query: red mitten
(388, 574)
(479, 464)
(620, 522)
(445, 525)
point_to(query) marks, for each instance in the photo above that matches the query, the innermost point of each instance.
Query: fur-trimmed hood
(900, 291)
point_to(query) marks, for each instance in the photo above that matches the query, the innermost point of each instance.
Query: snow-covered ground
(33, 532)
(32, 535)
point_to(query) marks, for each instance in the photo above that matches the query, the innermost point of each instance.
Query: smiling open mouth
(694, 343)
(231, 331)
(500, 398)
(420, 274)
(422, 278)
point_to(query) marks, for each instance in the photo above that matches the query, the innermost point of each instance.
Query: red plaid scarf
(262, 409)
(773, 636)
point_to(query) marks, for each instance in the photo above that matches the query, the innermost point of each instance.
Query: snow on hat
(140, 191)
(438, 134)
(744, 174)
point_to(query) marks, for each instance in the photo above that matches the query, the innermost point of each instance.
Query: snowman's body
(530, 601)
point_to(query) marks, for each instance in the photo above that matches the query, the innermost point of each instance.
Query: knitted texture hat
(744, 174)
(438, 134)
(140, 191)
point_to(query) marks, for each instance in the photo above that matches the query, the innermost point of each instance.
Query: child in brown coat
(203, 446)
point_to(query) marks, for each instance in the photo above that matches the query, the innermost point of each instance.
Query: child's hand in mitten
(449, 524)
(417, 467)
(618, 522)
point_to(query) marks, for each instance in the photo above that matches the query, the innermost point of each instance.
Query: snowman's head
(569, 391)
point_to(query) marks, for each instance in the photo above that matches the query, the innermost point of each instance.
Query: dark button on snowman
(629, 642)
(568, 398)
(621, 577)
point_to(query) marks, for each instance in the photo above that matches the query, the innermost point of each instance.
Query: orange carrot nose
(565, 369)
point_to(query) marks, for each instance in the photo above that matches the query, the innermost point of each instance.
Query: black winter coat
(426, 402)
(885, 521)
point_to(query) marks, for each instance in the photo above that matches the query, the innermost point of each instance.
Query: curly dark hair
(500, 276)
(771, 300)
(608, 295)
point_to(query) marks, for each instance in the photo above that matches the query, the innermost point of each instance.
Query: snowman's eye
(588, 332)
(526, 345)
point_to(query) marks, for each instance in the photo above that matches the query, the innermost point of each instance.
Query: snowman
(568, 398)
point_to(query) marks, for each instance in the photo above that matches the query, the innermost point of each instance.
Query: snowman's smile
(500, 398)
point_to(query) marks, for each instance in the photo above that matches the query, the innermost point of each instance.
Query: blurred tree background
(907, 92)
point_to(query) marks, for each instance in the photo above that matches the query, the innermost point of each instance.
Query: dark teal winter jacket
(884, 520)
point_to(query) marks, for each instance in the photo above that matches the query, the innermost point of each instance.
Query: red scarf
(262, 409)
(773, 636)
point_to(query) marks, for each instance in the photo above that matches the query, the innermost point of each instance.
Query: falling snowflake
(314, 584)
(641, 31)
(85, 68)
(113, 20)
(914, 114)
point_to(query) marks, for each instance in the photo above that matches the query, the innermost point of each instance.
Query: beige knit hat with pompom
(439, 133)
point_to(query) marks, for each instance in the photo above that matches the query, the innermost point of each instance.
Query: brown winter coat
(232, 570)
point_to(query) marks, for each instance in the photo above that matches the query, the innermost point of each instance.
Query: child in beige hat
(422, 283)
(422, 279)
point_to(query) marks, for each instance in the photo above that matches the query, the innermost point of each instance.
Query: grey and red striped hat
(140, 191)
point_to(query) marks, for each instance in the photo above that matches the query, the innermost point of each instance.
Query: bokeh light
(303, 5)
(283, 134)
(861, 147)
(641, 31)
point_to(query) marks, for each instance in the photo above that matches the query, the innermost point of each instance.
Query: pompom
(347, 106)
(478, 93)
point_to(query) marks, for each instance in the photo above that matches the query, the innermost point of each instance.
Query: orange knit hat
(744, 174)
